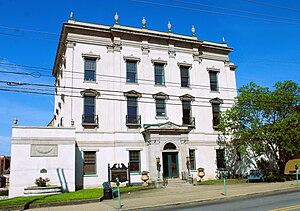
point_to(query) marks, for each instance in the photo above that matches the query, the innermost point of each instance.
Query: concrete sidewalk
(177, 195)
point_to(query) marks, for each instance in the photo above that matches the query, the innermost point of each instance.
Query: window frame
(85, 69)
(187, 69)
(212, 83)
(94, 162)
(129, 106)
(192, 158)
(134, 161)
(163, 107)
(161, 75)
(85, 98)
(220, 153)
(89, 93)
(216, 111)
(135, 72)
(186, 103)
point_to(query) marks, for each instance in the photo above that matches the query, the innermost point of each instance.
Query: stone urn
(201, 173)
(145, 177)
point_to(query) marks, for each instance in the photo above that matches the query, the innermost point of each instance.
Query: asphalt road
(285, 201)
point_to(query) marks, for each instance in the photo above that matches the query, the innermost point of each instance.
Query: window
(216, 114)
(220, 158)
(89, 109)
(160, 107)
(131, 71)
(89, 69)
(132, 112)
(89, 166)
(184, 73)
(159, 74)
(192, 159)
(186, 111)
(134, 160)
(213, 78)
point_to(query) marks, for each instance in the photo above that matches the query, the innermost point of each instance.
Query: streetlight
(158, 166)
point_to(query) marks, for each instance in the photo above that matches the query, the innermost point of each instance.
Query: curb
(207, 201)
(49, 204)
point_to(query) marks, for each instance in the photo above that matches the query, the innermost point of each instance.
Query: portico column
(184, 148)
(154, 152)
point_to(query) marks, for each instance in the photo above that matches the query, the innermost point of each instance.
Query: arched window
(170, 146)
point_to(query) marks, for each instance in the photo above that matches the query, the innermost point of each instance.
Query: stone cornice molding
(90, 92)
(168, 127)
(159, 61)
(187, 97)
(160, 95)
(132, 93)
(213, 69)
(70, 44)
(172, 52)
(184, 64)
(91, 55)
(132, 58)
(216, 101)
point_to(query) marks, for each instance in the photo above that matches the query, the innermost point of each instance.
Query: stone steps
(178, 183)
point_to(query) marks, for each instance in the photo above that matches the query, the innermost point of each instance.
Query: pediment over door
(168, 127)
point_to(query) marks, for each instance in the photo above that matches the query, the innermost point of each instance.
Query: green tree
(264, 123)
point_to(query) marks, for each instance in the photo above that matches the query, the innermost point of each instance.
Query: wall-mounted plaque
(43, 171)
(43, 150)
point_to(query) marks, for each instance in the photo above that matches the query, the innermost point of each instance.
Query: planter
(201, 173)
(42, 190)
(145, 178)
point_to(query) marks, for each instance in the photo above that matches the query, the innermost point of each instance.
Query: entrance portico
(170, 143)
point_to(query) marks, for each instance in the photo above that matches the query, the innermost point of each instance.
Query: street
(286, 201)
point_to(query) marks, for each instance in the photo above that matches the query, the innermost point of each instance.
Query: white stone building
(127, 95)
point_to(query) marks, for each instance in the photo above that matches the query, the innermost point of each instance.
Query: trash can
(107, 190)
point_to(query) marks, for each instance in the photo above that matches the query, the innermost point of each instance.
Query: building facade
(4, 171)
(127, 95)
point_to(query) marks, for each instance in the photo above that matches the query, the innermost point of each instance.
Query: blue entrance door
(170, 164)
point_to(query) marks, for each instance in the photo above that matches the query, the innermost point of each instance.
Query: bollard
(119, 195)
(297, 171)
(224, 186)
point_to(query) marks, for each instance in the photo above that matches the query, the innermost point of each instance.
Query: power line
(235, 10)
(100, 98)
(122, 93)
(27, 30)
(99, 90)
(212, 12)
(273, 5)
(151, 82)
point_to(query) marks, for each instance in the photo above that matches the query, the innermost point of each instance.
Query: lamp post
(188, 165)
(158, 166)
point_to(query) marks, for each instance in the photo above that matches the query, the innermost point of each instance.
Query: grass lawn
(217, 181)
(77, 195)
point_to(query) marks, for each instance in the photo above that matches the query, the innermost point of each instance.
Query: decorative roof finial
(71, 16)
(117, 18)
(169, 26)
(15, 121)
(193, 30)
(144, 22)
(223, 40)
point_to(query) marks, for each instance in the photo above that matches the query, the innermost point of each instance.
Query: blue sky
(263, 33)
